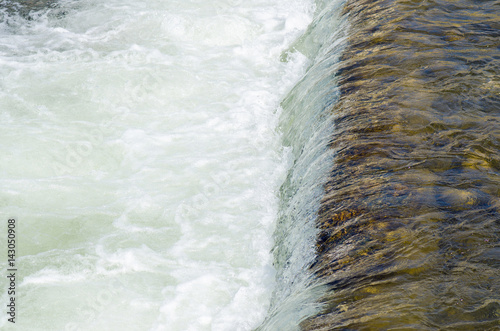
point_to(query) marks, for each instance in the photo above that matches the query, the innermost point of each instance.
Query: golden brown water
(410, 218)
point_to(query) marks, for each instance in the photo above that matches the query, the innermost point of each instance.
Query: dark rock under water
(25, 8)
(410, 218)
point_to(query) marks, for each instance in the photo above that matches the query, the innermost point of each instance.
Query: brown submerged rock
(416, 160)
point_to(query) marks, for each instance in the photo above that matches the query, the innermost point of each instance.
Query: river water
(141, 159)
(230, 165)
(408, 228)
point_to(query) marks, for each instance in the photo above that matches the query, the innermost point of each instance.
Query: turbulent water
(141, 159)
(269, 165)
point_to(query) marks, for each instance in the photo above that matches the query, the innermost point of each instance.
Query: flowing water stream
(252, 165)
(407, 231)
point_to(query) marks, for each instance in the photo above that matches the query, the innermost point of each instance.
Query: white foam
(150, 157)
